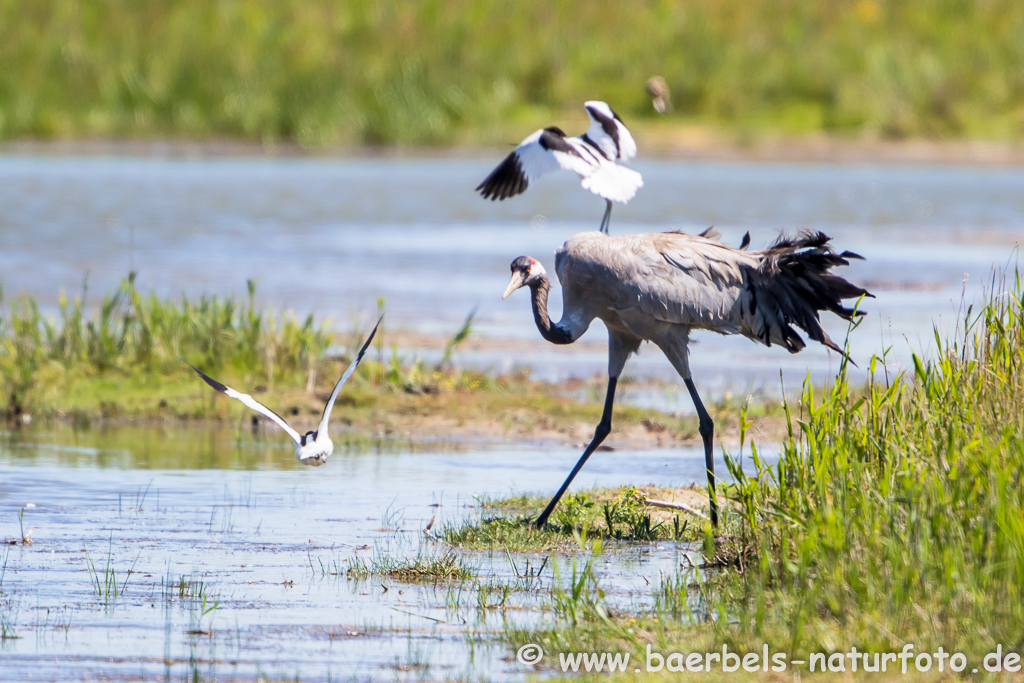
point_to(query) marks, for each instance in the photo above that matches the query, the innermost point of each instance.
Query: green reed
(131, 330)
(895, 511)
(133, 333)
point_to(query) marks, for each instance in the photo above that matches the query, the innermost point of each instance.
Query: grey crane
(592, 156)
(659, 287)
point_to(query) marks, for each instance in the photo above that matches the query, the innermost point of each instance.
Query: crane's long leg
(603, 429)
(706, 427)
(607, 217)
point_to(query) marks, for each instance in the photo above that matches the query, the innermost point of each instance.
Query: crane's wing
(667, 277)
(688, 280)
(251, 403)
(544, 151)
(322, 429)
(608, 131)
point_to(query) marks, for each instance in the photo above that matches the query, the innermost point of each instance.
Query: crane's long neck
(554, 333)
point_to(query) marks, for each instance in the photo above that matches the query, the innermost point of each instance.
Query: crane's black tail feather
(793, 283)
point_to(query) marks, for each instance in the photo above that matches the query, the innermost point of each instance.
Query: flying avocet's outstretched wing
(250, 402)
(608, 132)
(544, 151)
(322, 429)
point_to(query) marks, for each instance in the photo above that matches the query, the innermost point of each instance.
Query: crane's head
(525, 271)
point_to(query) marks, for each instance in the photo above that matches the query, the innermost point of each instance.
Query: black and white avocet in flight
(593, 156)
(312, 448)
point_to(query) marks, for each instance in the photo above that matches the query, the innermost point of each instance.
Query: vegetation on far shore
(893, 517)
(323, 73)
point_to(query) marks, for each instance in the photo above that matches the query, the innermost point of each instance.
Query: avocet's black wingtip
(487, 190)
(506, 180)
(209, 380)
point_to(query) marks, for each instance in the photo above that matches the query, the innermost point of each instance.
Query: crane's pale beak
(515, 283)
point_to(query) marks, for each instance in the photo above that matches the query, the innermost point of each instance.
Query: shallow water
(271, 542)
(331, 236)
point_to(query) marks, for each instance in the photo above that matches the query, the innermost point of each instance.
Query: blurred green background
(443, 72)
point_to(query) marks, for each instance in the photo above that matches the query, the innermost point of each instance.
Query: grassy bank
(364, 72)
(609, 514)
(127, 360)
(132, 343)
(893, 517)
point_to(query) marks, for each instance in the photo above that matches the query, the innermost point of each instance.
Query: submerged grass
(515, 534)
(105, 583)
(488, 593)
(368, 72)
(893, 517)
(184, 587)
(8, 619)
(424, 567)
(8, 607)
(193, 595)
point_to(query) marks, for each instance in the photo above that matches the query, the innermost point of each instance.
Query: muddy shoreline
(661, 431)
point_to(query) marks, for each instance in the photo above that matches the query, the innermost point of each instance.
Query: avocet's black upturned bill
(659, 287)
(311, 448)
(591, 155)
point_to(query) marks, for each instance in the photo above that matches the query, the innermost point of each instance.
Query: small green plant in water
(573, 511)
(3, 567)
(8, 620)
(199, 608)
(105, 584)
(583, 600)
(627, 518)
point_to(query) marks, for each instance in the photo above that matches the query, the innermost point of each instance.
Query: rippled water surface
(263, 546)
